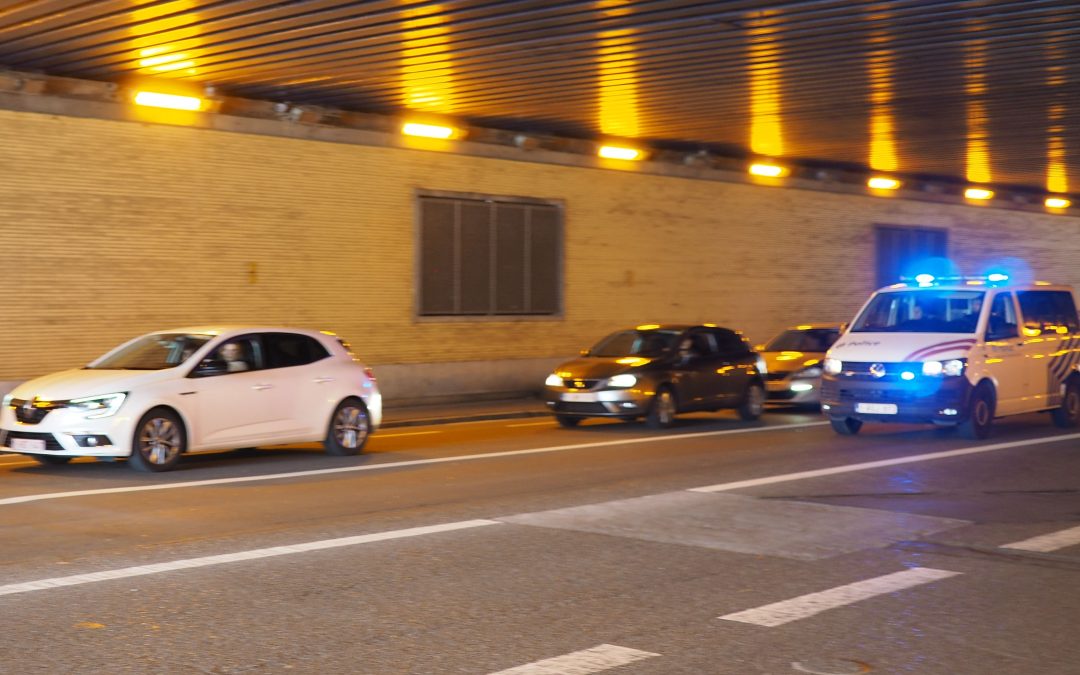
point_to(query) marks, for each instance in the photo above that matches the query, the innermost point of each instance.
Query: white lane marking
(407, 433)
(779, 613)
(392, 465)
(1049, 542)
(549, 423)
(815, 473)
(189, 563)
(594, 660)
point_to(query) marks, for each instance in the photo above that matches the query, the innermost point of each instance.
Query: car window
(153, 352)
(1048, 312)
(635, 343)
(921, 311)
(1002, 322)
(284, 350)
(730, 342)
(807, 340)
(234, 355)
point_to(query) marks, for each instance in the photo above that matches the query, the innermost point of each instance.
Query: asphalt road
(517, 547)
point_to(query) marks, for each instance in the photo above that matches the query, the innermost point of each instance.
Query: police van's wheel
(662, 411)
(845, 426)
(567, 421)
(981, 415)
(159, 441)
(1068, 415)
(753, 403)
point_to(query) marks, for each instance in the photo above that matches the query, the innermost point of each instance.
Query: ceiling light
(158, 100)
(619, 152)
(980, 194)
(768, 170)
(1057, 203)
(428, 130)
(883, 183)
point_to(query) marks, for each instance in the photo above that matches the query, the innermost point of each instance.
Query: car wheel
(981, 413)
(753, 402)
(845, 426)
(1068, 415)
(349, 429)
(567, 421)
(662, 411)
(52, 460)
(159, 441)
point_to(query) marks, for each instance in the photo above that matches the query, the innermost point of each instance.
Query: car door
(734, 366)
(1004, 358)
(1049, 326)
(300, 368)
(693, 370)
(236, 404)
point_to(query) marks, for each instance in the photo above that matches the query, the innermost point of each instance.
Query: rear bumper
(924, 400)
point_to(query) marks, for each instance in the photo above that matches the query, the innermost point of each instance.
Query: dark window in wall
(899, 248)
(488, 256)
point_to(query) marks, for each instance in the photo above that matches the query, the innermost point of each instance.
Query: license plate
(876, 408)
(579, 398)
(27, 444)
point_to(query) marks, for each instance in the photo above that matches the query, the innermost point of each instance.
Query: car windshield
(921, 311)
(153, 352)
(807, 340)
(635, 343)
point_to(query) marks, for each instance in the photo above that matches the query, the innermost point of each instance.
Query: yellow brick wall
(109, 229)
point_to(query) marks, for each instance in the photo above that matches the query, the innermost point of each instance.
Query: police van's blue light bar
(930, 280)
(997, 277)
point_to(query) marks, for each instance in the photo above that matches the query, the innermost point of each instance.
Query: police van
(956, 352)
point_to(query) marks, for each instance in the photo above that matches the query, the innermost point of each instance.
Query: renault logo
(877, 370)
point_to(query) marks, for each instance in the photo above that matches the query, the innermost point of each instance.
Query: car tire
(753, 403)
(52, 460)
(845, 426)
(349, 428)
(1068, 415)
(663, 409)
(159, 441)
(567, 422)
(980, 413)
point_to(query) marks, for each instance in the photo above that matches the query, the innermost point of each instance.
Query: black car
(656, 371)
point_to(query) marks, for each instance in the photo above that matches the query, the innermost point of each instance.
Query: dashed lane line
(208, 561)
(786, 611)
(23, 499)
(862, 466)
(594, 660)
(1048, 542)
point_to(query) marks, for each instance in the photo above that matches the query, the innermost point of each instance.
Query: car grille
(860, 370)
(579, 408)
(50, 441)
(579, 385)
(35, 414)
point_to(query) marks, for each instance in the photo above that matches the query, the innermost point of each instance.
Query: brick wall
(109, 229)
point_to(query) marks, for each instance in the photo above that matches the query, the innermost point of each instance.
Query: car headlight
(553, 380)
(105, 405)
(624, 380)
(812, 371)
(7, 400)
(950, 368)
(833, 366)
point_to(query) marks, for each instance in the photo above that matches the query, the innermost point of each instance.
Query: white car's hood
(902, 347)
(69, 384)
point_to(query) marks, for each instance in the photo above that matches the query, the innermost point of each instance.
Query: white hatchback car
(188, 390)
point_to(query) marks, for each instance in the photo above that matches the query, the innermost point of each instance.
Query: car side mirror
(209, 367)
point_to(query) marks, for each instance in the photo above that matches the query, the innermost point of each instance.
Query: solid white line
(805, 606)
(407, 433)
(1049, 542)
(800, 475)
(392, 465)
(189, 563)
(594, 660)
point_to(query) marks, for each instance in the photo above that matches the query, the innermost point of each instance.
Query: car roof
(675, 326)
(237, 329)
(816, 326)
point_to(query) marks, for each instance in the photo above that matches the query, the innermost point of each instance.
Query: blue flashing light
(924, 279)
(997, 277)
(907, 375)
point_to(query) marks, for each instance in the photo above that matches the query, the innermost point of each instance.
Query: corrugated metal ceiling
(984, 91)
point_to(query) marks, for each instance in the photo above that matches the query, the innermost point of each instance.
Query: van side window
(1002, 323)
(1048, 311)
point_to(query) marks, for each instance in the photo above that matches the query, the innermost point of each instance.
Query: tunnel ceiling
(978, 91)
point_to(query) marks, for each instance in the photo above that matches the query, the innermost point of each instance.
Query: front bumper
(603, 403)
(781, 391)
(923, 400)
(67, 432)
